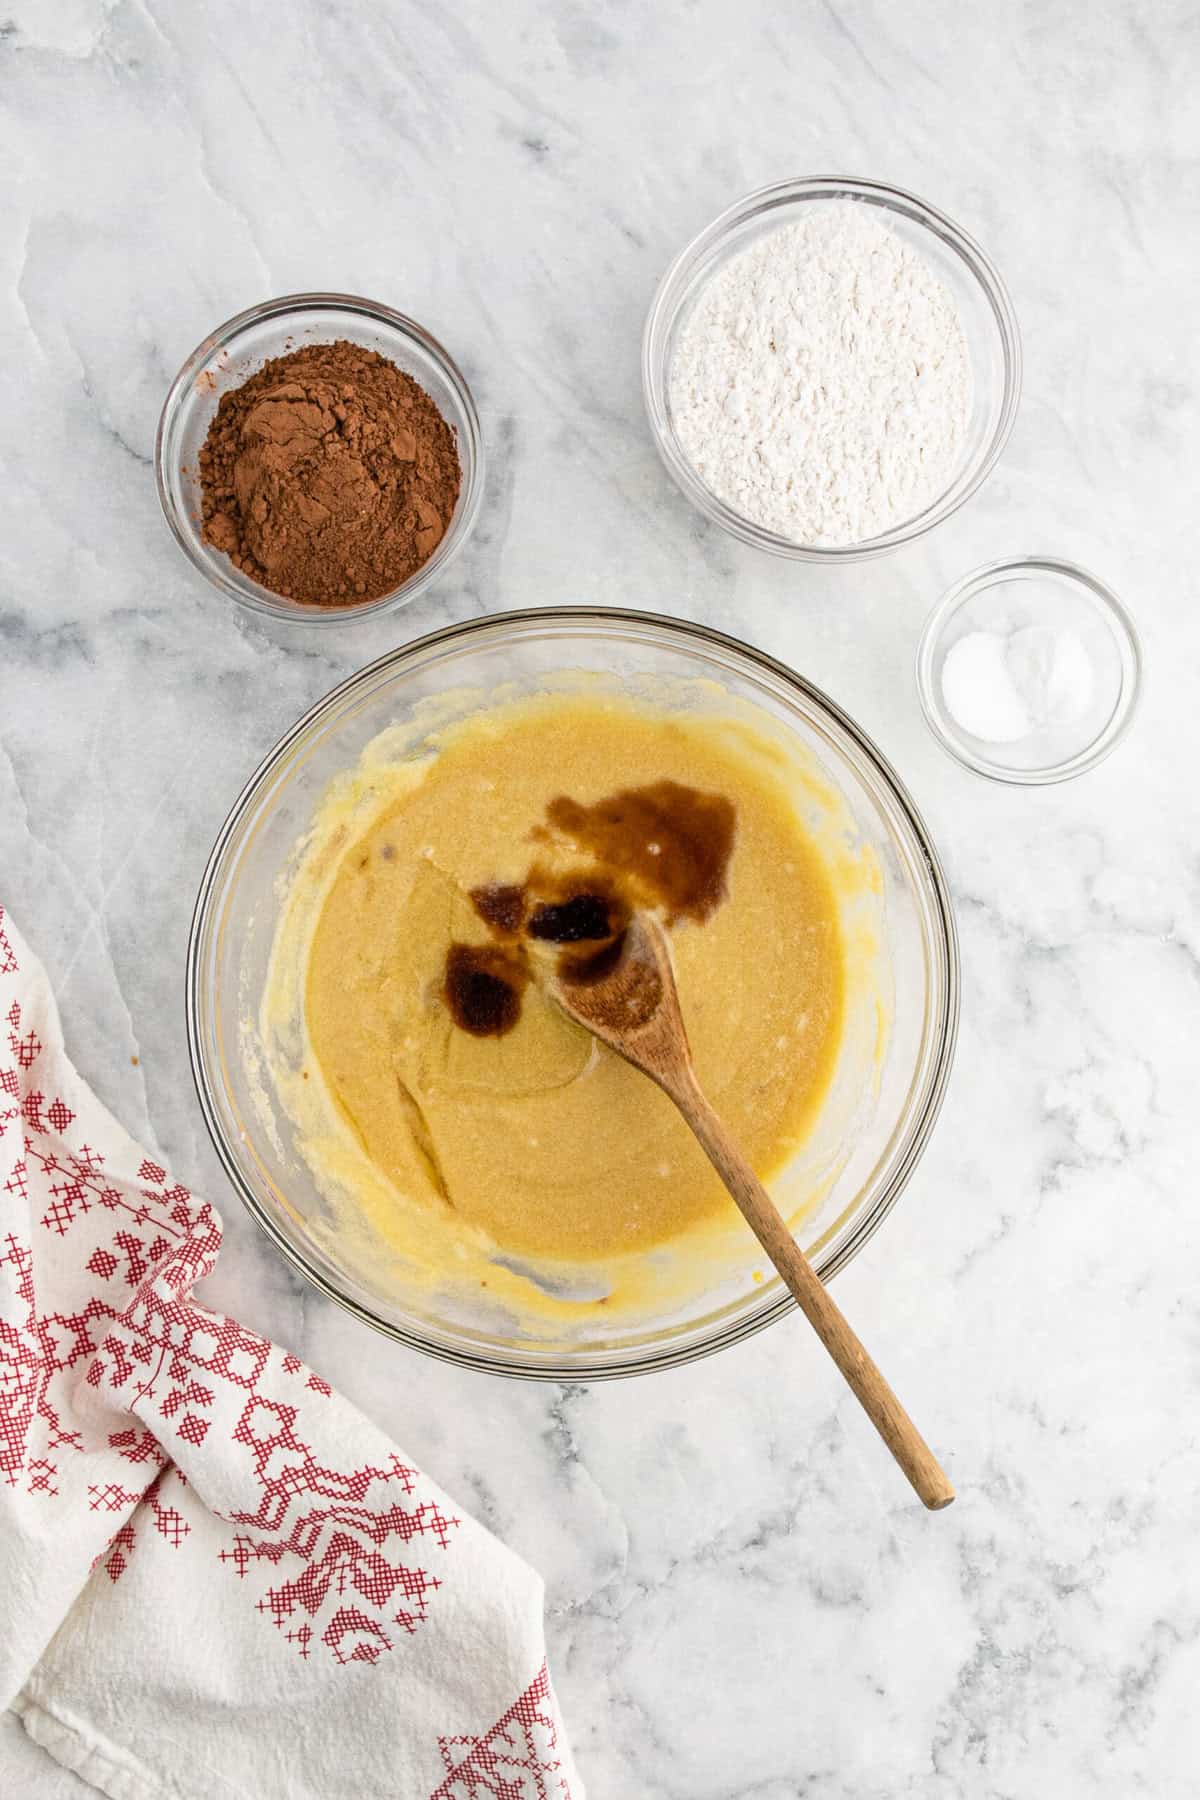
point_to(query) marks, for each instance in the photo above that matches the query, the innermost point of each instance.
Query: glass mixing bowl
(230, 355)
(901, 1014)
(972, 281)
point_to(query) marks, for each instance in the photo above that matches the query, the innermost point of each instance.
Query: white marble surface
(743, 1603)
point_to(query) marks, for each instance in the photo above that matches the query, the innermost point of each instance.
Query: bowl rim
(1125, 633)
(472, 459)
(943, 1035)
(664, 313)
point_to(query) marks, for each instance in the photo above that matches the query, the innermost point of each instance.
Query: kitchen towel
(217, 1578)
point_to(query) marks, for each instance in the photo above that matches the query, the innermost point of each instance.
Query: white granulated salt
(1003, 686)
(979, 691)
(821, 384)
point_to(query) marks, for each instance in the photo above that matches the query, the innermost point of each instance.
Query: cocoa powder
(329, 476)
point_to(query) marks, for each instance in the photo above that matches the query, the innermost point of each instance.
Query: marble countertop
(743, 1602)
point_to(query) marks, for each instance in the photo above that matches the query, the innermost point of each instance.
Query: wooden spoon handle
(824, 1315)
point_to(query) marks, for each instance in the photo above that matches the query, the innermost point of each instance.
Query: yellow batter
(539, 1142)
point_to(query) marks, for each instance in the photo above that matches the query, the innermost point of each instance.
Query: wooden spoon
(631, 1004)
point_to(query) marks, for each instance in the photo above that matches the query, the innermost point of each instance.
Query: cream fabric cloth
(217, 1578)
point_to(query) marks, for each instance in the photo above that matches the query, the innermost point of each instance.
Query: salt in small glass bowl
(230, 354)
(983, 304)
(1005, 597)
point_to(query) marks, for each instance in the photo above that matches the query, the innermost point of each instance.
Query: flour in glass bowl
(821, 383)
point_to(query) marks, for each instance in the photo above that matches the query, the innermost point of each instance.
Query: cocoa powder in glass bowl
(329, 476)
(229, 357)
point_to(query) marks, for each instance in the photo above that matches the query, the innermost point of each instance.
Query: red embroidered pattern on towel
(516, 1760)
(31, 1345)
(333, 1533)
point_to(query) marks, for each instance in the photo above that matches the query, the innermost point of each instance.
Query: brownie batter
(463, 1093)
(329, 476)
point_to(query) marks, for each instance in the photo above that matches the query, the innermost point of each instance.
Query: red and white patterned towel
(216, 1577)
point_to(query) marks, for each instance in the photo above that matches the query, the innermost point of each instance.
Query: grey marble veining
(743, 1604)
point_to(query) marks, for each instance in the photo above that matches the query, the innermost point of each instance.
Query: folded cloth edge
(109, 1768)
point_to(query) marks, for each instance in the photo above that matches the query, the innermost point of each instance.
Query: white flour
(821, 384)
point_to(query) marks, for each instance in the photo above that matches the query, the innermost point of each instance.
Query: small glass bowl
(969, 277)
(1006, 597)
(232, 353)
